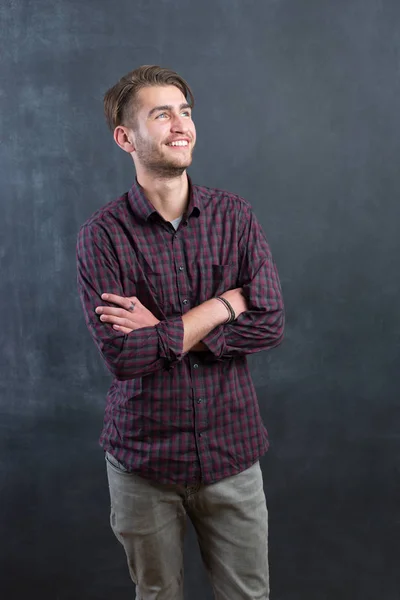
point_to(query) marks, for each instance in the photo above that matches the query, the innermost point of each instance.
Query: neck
(169, 196)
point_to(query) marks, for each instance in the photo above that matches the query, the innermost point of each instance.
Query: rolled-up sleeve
(142, 351)
(262, 326)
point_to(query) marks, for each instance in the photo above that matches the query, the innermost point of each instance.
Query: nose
(179, 124)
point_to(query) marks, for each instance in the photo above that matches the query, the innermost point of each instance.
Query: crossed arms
(135, 343)
(197, 322)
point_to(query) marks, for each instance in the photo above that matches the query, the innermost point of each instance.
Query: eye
(186, 113)
(162, 115)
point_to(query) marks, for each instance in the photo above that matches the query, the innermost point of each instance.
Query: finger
(114, 298)
(120, 300)
(113, 320)
(109, 310)
(125, 330)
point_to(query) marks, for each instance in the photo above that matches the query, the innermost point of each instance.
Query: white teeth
(178, 143)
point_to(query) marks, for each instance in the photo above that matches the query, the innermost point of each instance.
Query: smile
(181, 143)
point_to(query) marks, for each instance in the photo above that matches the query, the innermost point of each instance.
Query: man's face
(164, 135)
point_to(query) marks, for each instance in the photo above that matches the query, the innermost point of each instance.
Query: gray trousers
(231, 521)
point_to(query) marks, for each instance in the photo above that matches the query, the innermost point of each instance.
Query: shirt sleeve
(261, 327)
(142, 351)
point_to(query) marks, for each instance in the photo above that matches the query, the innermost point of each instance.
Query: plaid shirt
(174, 417)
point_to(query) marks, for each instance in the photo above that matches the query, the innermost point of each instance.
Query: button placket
(179, 264)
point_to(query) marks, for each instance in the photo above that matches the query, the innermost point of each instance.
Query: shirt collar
(144, 209)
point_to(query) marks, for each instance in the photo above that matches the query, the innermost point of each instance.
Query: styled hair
(119, 101)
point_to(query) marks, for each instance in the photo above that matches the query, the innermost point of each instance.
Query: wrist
(230, 310)
(220, 311)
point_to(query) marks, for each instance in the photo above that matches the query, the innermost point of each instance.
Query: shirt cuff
(170, 337)
(215, 341)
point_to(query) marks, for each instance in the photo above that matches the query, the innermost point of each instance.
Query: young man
(178, 285)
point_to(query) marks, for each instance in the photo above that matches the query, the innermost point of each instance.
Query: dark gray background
(298, 111)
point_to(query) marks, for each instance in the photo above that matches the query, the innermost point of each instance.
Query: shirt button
(181, 268)
(185, 301)
(199, 400)
(195, 366)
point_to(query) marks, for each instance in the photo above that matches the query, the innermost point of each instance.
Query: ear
(124, 138)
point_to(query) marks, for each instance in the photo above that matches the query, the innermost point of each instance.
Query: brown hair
(120, 99)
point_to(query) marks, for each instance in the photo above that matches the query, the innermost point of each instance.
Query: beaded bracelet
(228, 305)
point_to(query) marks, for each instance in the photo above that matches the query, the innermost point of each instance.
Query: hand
(237, 300)
(132, 314)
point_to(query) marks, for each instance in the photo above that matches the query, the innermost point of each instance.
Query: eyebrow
(167, 107)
